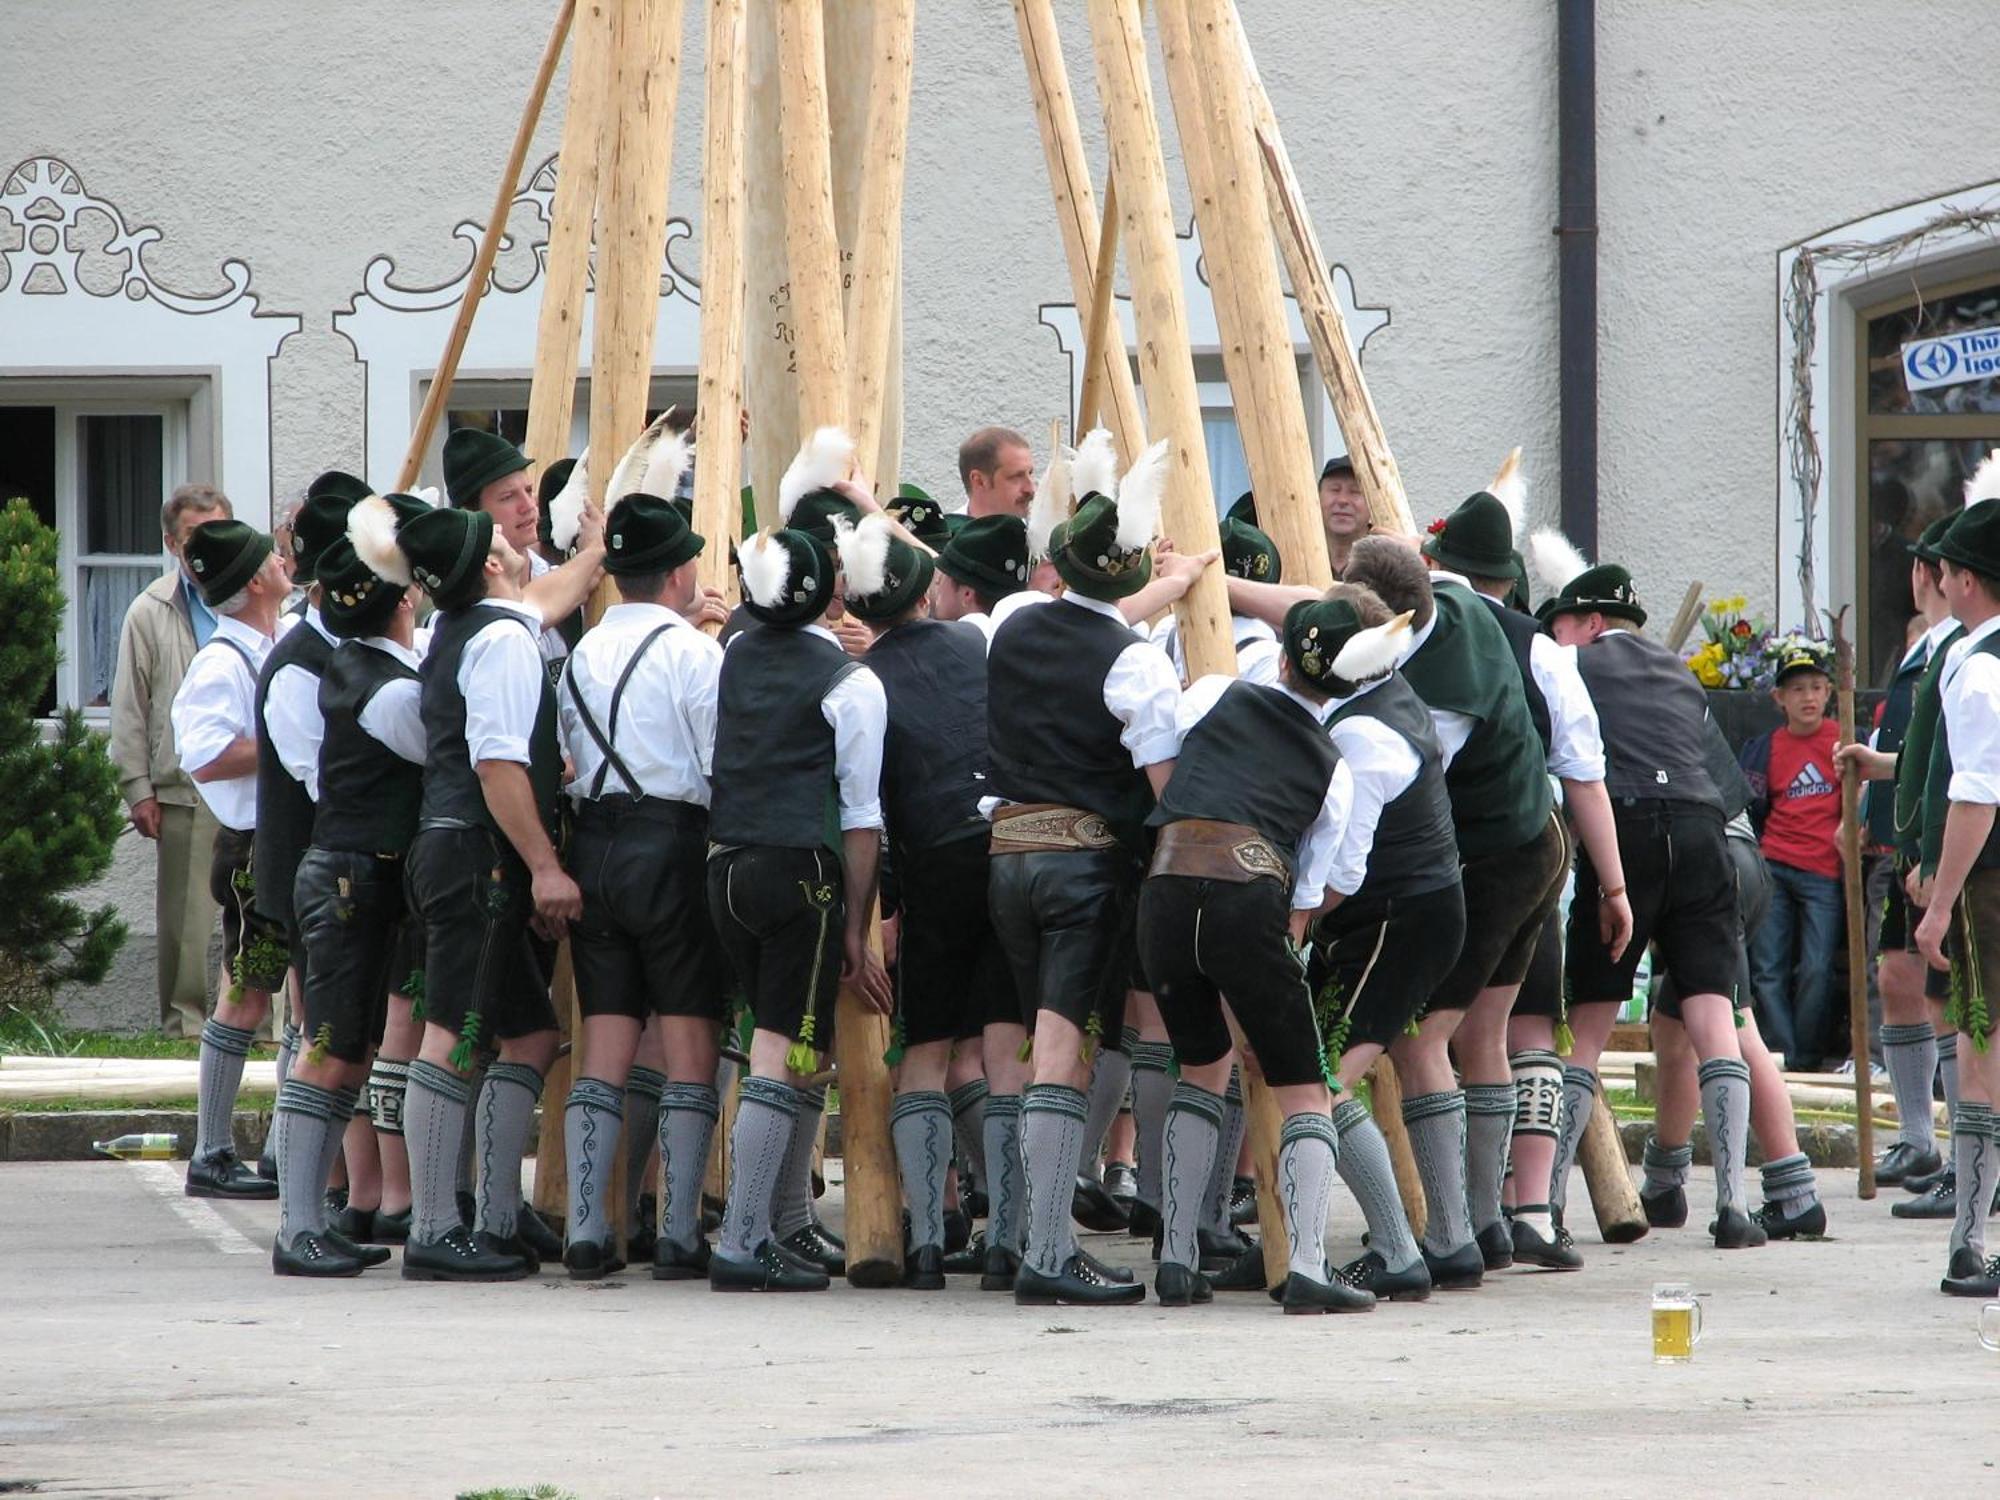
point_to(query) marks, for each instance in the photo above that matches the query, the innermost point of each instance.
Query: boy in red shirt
(1797, 810)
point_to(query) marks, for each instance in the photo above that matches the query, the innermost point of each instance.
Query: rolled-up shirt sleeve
(1319, 854)
(1972, 721)
(1143, 691)
(208, 711)
(1576, 741)
(1454, 729)
(500, 675)
(858, 710)
(292, 720)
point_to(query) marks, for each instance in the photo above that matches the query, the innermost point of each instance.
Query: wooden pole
(812, 245)
(1076, 213)
(1103, 299)
(769, 346)
(1205, 74)
(1621, 1217)
(718, 471)
(872, 299)
(489, 246)
(1685, 616)
(1385, 1103)
(1857, 945)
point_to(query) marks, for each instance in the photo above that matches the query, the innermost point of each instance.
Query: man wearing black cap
(1343, 510)
(215, 727)
(637, 706)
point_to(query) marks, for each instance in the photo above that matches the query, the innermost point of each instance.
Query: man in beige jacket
(158, 641)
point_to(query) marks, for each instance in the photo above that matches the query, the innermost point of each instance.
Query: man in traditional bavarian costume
(637, 715)
(368, 777)
(982, 573)
(1673, 850)
(1250, 827)
(215, 729)
(1081, 728)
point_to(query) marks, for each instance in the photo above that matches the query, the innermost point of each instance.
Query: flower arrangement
(1732, 655)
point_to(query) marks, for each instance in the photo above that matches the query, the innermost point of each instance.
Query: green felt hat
(988, 553)
(1248, 553)
(1476, 539)
(787, 577)
(906, 577)
(1605, 589)
(355, 600)
(1517, 596)
(1088, 558)
(921, 516)
(474, 459)
(1244, 510)
(1926, 546)
(224, 556)
(646, 534)
(1329, 646)
(320, 522)
(815, 512)
(339, 482)
(447, 549)
(1972, 541)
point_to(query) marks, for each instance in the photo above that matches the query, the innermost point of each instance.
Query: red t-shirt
(1802, 828)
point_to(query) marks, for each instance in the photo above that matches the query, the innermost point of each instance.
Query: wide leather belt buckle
(1206, 850)
(1031, 829)
(1258, 858)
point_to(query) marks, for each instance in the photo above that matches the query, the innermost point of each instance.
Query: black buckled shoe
(1460, 1271)
(459, 1256)
(589, 1260)
(1002, 1266)
(1668, 1210)
(1243, 1274)
(1496, 1246)
(1735, 1230)
(1177, 1286)
(1923, 1182)
(385, 1228)
(1302, 1294)
(1557, 1254)
(223, 1175)
(970, 1260)
(769, 1269)
(816, 1245)
(1777, 1225)
(673, 1262)
(1939, 1201)
(957, 1229)
(1121, 1181)
(1968, 1276)
(1075, 1285)
(346, 1244)
(1144, 1224)
(1104, 1269)
(923, 1269)
(311, 1255)
(1243, 1201)
(1220, 1247)
(1094, 1208)
(1905, 1160)
(1371, 1273)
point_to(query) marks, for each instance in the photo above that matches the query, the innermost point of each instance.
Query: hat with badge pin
(224, 556)
(787, 577)
(1249, 553)
(1331, 648)
(884, 576)
(988, 553)
(1105, 549)
(647, 534)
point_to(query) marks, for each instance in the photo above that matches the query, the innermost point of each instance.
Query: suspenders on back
(612, 760)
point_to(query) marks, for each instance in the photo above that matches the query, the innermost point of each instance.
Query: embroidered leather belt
(1045, 827)
(1206, 850)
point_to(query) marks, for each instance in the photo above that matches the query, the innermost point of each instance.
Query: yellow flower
(1718, 607)
(1739, 603)
(1707, 673)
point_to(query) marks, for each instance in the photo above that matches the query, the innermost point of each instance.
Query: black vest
(1653, 715)
(452, 792)
(369, 796)
(1521, 631)
(284, 810)
(1050, 735)
(1878, 799)
(1257, 758)
(773, 782)
(934, 759)
(1416, 846)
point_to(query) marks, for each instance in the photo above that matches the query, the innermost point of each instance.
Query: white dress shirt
(1005, 609)
(215, 707)
(292, 720)
(665, 729)
(1142, 691)
(858, 710)
(550, 642)
(500, 676)
(1971, 718)
(1384, 765)
(394, 717)
(1576, 742)
(1257, 648)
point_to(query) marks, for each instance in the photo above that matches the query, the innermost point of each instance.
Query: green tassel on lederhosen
(468, 1041)
(1093, 1034)
(413, 991)
(893, 1053)
(322, 1040)
(801, 1057)
(1966, 1009)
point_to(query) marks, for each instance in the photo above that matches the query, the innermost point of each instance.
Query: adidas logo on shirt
(1810, 782)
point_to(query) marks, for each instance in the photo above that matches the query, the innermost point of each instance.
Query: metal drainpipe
(1576, 271)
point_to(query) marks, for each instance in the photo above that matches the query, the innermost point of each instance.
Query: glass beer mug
(1676, 1323)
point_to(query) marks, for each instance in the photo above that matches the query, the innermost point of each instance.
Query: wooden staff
(770, 382)
(1103, 298)
(718, 472)
(1857, 945)
(1684, 617)
(872, 299)
(1385, 1103)
(1076, 212)
(812, 245)
(1607, 1175)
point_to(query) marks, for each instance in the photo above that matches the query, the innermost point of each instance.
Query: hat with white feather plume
(1104, 551)
(1984, 485)
(364, 573)
(807, 499)
(1331, 645)
(883, 574)
(1577, 587)
(787, 577)
(1478, 538)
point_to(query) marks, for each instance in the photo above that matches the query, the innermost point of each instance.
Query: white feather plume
(1510, 488)
(430, 494)
(371, 527)
(1553, 559)
(629, 477)
(824, 460)
(664, 468)
(1985, 481)
(1139, 496)
(1050, 507)
(766, 566)
(1370, 653)
(566, 510)
(1094, 465)
(864, 554)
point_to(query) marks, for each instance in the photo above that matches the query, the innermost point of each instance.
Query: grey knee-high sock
(920, 1124)
(968, 1125)
(433, 1126)
(1789, 1183)
(792, 1207)
(1052, 1126)
(1972, 1155)
(1947, 1055)
(301, 1185)
(1222, 1170)
(506, 1115)
(468, 1177)
(288, 1052)
(1725, 1109)
(591, 1123)
(1193, 1138)
(220, 1074)
(344, 1102)
(1308, 1149)
(1108, 1082)
(1579, 1100)
(388, 1095)
(642, 1121)
(688, 1112)
(1436, 1123)
(767, 1115)
(1666, 1167)
(1006, 1184)
(1910, 1054)
(1489, 1130)
(1364, 1165)
(1152, 1093)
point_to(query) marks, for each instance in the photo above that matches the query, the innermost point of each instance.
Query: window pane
(1888, 387)
(1911, 482)
(1228, 470)
(121, 478)
(106, 591)
(510, 422)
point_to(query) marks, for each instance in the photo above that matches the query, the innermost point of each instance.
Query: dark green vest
(1919, 813)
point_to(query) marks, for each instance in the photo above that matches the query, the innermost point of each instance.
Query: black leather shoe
(1968, 1276)
(1144, 1224)
(387, 1228)
(267, 1167)
(1002, 1266)
(1496, 1246)
(1094, 1208)
(672, 1263)
(532, 1230)
(1075, 1285)
(1371, 1273)
(1460, 1271)
(767, 1270)
(512, 1245)
(1903, 1161)
(1668, 1210)
(368, 1255)
(1736, 1230)
(1177, 1286)
(1301, 1294)
(1121, 1181)
(957, 1229)
(1810, 1225)
(1939, 1201)
(923, 1269)
(1243, 1201)
(310, 1255)
(335, 1199)
(816, 1245)
(971, 1260)
(1557, 1254)
(1104, 1270)
(223, 1175)
(1220, 1247)
(1243, 1274)
(641, 1242)
(1923, 1182)
(468, 1209)
(459, 1257)
(589, 1260)
(356, 1224)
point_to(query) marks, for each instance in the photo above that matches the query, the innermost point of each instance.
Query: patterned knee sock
(1538, 1106)
(1436, 1123)
(1365, 1167)
(1579, 1086)
(792, 1206)
(1222, 1171)
(968, 1126)
(1152, 1093)
(1911, 1055)
(1489, 1129)
(1308, 1148)
(1947, 1053)
(1789, 1183)
(1725, 1109)
(1108, 1082)
(1193, 1139)
(1006, 1185)
(920, 1124)
(288, 1052)
(301, 1186)
(1052, 1126)
(642, 1119)
(220, 1074)
(591, 1123)
(468, 1176)
(767, 1114)
(388, 1094)
(434, 1125)
(1666, 1167)
(506, 1115)
(1972, 1154)
(344, 1102)
(688, 1112)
